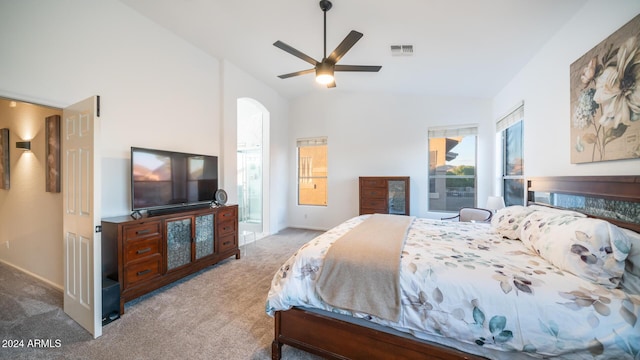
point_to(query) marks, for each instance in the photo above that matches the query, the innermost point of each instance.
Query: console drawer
(227, 213)
(226, 228)
(374, 203)
(364, 211)
(139, 249)
(142, 270)
(142, 231)
(373, 182)
(227, 242)
(374, 193)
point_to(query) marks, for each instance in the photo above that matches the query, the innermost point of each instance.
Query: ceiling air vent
(401, 50)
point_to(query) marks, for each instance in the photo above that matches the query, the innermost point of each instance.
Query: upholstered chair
(471, 214)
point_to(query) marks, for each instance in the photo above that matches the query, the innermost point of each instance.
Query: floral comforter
(463, 282)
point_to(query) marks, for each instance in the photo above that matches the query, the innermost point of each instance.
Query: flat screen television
(163, 179)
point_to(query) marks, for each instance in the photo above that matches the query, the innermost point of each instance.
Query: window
(512, 131)
(312, 171)
(452, 168)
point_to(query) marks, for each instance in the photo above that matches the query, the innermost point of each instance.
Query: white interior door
(81, 214)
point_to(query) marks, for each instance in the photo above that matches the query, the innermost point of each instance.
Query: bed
(540, 281)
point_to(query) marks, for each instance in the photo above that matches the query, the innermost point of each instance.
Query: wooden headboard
(612, 198)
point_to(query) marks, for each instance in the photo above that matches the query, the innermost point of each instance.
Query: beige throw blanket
(361, 270)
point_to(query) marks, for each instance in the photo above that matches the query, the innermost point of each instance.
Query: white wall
(378, 135)
(157, 90)
(544, 86)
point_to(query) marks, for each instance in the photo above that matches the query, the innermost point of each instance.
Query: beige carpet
(217, 313)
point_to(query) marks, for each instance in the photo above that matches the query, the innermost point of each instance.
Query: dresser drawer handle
(226, 228)
(142, 232)
(226, 214)
(226, 243)
(142, 251)
(143, 272)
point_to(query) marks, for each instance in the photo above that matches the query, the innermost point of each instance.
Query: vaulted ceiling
(461, 47)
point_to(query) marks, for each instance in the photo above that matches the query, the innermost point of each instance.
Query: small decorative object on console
(220, 198)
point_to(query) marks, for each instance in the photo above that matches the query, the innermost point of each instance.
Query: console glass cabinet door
(204, 235)
(397, 194)
(189, 239)
(178, 242)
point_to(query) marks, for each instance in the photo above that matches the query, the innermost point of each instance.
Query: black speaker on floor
(110, 301)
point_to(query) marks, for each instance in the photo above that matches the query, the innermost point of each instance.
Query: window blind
(511, 118)
(441, 132)
(317, 141)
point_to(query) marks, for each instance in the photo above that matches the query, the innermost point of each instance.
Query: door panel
(70, 289)
(81, 207)
(85, 194)
(71, 180)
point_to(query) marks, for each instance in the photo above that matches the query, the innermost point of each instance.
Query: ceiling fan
(325, 69)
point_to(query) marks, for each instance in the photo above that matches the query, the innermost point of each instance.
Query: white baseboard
(304, 227)
(248, 237)
(57, 286)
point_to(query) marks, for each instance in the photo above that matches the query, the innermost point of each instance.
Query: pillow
(507, 221)
(631, 277)
(556, 211)
(592, 249)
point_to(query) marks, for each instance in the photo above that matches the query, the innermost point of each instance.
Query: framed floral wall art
(605, 99)
(52, 168)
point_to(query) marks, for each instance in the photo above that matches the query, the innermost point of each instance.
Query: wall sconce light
(24, 145)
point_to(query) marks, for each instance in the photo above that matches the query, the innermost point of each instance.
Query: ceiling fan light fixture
(324, 79)
(324, 73)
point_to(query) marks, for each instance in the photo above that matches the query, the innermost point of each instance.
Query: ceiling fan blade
(294, 52)
(301, 72)
(344, 46)
(368, 68)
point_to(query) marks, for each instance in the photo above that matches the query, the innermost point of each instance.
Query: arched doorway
(252, 160)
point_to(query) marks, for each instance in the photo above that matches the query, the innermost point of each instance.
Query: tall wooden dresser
(384, 195)
(147, 253)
